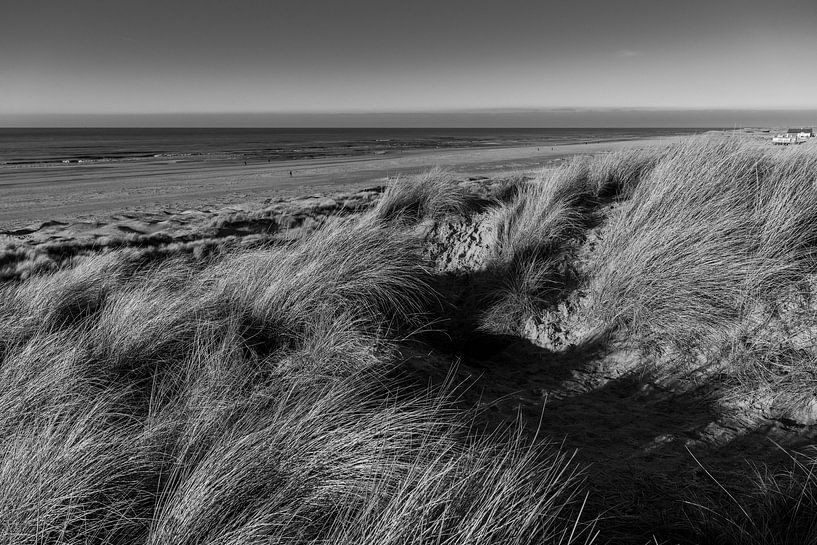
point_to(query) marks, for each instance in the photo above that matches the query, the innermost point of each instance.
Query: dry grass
(432, 195)
(249, 396)
(714, 225)
(507, 188)
(337, 465)
(534, 231)
(775, 507)
(615, 175)
(246, 400)
(530, 233)
(545, 212)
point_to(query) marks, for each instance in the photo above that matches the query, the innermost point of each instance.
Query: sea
(79, 145)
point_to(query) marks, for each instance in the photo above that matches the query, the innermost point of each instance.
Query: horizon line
(353, 112)
(553, 118)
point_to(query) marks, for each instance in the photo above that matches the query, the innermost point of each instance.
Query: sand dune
(643, 310)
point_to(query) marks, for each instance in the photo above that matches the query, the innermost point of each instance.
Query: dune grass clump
(533, 231)
(76, 464)
(228, 453)
(50, 302)
(615, 175)
(335, 345)
(369, 278)
(249, 400)
(368, 273)
(545, 212)
(432, 195)
(507, 188)
(76, 473)
(529, 240)
(337, 465)
(16, 262)
(716, 223)
(677, 257)
(787, 210)
(529, 496)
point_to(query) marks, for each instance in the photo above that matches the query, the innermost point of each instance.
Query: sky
(367, 62)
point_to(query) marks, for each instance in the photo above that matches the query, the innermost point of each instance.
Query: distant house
(793, 136)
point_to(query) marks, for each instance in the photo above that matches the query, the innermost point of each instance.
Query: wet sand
(39, 193)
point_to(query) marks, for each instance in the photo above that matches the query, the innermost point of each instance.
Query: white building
(793, 136)
(803, 134)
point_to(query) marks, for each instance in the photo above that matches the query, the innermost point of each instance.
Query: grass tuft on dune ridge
(716, 224)
(431, 195)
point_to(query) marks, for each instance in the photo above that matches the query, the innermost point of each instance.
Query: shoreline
(95, 190)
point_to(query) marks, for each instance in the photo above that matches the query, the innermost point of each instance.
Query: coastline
(90, 192)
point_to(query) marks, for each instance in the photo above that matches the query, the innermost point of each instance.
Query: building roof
(797, 131)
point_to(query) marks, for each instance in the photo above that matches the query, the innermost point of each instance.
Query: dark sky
(109, 58)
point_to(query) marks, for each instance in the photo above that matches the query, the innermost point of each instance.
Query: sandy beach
(89, 192)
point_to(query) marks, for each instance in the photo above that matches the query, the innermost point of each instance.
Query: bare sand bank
(88, 192)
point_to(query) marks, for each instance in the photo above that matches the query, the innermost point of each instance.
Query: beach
(93, 191)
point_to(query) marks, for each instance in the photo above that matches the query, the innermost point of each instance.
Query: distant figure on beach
(290, 173)
(245, 163)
